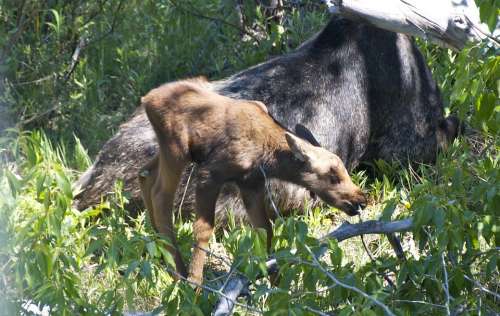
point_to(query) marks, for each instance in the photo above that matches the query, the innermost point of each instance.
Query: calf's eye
(333, 179)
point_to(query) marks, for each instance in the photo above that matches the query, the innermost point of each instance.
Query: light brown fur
(230, 140)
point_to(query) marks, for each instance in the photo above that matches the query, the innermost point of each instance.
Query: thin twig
(75, 57)
(215, 19)
(82, 44)
(315, 311)
(185, 190)
(37, 81)
(269, 193)
(111, 30)
(347, 286)
(446, 286)
(482, 287)
(420, 302)
(368, 252)
(210, 253)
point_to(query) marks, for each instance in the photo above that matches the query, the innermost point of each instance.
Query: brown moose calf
(231, 141)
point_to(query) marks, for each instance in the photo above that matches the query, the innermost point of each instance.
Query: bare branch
(347, 230)
(231, 290)
(75, 57)
(369, 253)
(269, 193)
(179, 211)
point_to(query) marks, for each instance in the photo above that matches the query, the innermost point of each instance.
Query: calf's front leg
(253, 197)
(206, 197)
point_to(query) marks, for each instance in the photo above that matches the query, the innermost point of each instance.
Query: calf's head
(324, 173)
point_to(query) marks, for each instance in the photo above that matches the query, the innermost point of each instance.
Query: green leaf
(439, 218)
(485, 105)
(146, 270)
(335, 253)
(131, 268)
(492, 264)
(167, 257)
(14, 182)
(388, 210)
(63, 183)
(152, 249)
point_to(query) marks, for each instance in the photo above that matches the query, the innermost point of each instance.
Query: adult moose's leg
(162, 201)
(253, 198)
(206, 197)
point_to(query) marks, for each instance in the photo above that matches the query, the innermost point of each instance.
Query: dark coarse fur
(365, 94)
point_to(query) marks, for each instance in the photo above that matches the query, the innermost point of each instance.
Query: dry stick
(348, 230)
(347, 286)
(75, 57)
(396, 246)
(231, 291)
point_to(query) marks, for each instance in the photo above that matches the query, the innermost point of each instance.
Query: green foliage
(128, 48)
(74, 262)
(101, 261)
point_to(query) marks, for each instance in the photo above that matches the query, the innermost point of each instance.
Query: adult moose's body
(365, 94)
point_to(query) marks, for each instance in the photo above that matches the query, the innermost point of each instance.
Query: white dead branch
(450, 23)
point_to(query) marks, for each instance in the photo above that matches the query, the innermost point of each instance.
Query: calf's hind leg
(206, 197)
(162, 196)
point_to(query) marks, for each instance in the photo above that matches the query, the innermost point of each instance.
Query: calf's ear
(305, 133)
(300, 148)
